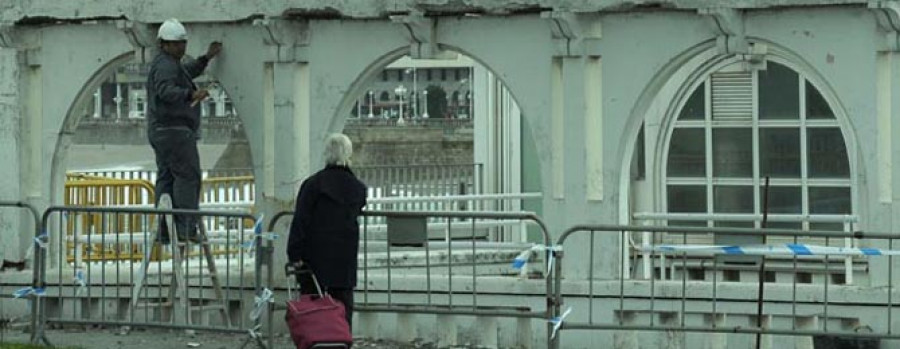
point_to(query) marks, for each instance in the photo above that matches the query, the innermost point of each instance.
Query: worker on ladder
(173, 124)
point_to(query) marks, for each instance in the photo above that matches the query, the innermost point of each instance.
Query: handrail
(748, 217)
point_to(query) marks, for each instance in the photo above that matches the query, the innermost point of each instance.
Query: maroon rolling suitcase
(316, 320)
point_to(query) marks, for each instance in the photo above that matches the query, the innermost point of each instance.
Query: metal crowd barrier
(451, 287)
(33, 293)
(86, 190)
(102, 293)
(689, 302)
(829, 222)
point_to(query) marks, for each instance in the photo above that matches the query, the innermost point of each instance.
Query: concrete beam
(156, 11)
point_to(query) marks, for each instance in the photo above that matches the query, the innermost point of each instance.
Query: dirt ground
(151, 339)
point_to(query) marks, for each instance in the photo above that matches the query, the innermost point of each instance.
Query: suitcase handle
(296, 269)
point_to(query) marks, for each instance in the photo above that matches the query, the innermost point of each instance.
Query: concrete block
(406, 327)
(487, 331)
(446, 330)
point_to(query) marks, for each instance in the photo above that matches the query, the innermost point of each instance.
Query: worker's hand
(199, 96)
(214, 48)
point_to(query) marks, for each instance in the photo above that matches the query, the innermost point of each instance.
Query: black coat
(170, 87)
(325, 232)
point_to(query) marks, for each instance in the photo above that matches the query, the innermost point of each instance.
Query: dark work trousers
(178, 165)
(343, 295)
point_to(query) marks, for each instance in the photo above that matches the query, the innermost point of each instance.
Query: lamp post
(425, 94)
(400, 91)
(472, 92)
(371, 104)
(415, 100)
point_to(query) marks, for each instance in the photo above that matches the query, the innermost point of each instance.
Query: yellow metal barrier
(82, 190)
(232, 193)
(88, 190)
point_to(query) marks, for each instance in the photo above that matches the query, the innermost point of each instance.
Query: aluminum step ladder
(178, 300)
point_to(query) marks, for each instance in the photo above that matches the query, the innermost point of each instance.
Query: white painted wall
(293, 82)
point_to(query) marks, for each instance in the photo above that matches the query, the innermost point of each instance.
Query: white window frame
(708, 125)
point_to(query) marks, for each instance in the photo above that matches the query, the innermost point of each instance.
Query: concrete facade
(586, 74)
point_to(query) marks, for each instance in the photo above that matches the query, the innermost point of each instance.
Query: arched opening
(738, 128)
(729, 128)
(417, 135)
(109, 135)
(108, 161)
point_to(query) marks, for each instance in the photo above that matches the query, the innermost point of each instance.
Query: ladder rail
(179, 301)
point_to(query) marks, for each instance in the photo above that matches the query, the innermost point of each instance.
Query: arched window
(738, 127)
(384, 96)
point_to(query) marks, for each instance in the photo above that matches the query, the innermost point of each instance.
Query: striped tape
(768, 250)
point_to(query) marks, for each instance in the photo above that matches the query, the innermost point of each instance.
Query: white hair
(338, 149)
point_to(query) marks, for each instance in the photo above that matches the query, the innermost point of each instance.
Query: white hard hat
(172, 30)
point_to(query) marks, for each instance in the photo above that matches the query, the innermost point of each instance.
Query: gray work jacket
(169, 89)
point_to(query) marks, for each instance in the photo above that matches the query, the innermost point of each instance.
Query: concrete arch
(71, 58)
(72, 117)
(695, 65)
(357, 86)
(528, 80)
(502, 63)
(639, 114)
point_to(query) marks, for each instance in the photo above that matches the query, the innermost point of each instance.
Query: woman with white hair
(324, 233)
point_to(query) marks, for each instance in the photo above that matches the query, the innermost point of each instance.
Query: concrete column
(806, 323)
(626, 339)
(406, 327)
(487, 331)
(579, 166)
(888, 116)
(524, 333)
(118, 100)
(671, 339)
(715, 340)
(286, 141)
(367, 324)
(11, 148)
(557, 131)
(765, 340)
(447, 330)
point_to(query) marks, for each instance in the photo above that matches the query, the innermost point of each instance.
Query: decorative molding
(421, 32)
(887, 13)
(288, 38)
(729, 26)
(8, 36)
(575, 34)
(141, 37)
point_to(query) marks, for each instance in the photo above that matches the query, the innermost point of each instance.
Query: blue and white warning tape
(79, 280)
(558, 321)
(767, 250)
(28, 291)
(258, 232)
(262, 303)
(521, 260)
(257, 227)
(40, 241)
